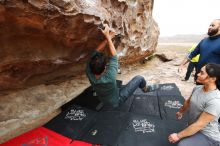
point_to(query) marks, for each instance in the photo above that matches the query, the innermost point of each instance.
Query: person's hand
(179, 115)
(112, 34)
(106, 31)
(180, 68)
(173, 138)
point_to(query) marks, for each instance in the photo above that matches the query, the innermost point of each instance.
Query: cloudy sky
(185, 16)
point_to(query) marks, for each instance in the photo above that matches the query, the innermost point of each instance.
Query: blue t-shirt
(106, 86)
(209, 50)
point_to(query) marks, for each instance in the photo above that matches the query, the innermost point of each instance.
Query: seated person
(204, 111)
(102, 72)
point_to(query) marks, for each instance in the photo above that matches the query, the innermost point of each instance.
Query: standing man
(102, 70)
(208, 48)
(192, 64)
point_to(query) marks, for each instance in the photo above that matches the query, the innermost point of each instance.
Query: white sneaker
(150, 88)
(119, 71)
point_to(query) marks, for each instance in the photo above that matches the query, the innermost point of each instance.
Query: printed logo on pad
(40, 141)
(173, 104)
(143, 126)
(167, 87)
(138, 98)
(76, 115)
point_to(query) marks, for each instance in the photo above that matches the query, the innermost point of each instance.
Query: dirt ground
(157, 71)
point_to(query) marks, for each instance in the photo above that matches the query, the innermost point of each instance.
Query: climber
(101, 72)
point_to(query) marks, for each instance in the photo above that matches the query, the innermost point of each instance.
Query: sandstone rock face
(45, 44)
(45, 41)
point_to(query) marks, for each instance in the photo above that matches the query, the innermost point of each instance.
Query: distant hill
(182, 38)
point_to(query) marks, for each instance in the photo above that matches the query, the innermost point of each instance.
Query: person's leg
(119, 68)
(131, 86)
(197, 139)
(218, 84)
(189, 70)
(195, 66)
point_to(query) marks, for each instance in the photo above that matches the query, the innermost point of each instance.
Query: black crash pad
(107, 128)
(125, 107)
(73, 122)
(145, 130)
(169, 105)
(145, 104)
(145, 119)
(168, 89)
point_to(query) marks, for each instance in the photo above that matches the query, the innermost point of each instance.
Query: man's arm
(195, 52)
(184, 62)
(112, 66)
(182, 110)
(99, 49)
(101, 46)
(203, 120)
(109, 36)
(187, 59)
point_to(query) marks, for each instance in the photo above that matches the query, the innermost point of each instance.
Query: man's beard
(213, 32)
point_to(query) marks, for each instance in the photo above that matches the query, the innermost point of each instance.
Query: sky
(185, 16)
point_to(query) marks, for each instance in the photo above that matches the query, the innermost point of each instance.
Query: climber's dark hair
(98, 63)
(213, 70)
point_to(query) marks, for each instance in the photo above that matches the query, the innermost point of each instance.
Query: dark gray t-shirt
(206, 102)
